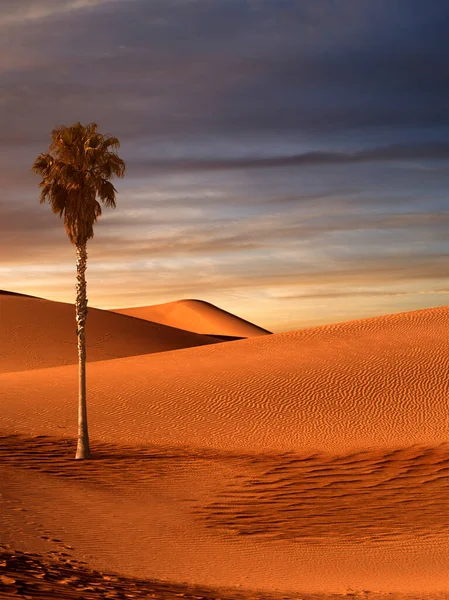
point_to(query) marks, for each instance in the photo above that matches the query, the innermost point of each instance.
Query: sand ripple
(364, 497)
(379, 382)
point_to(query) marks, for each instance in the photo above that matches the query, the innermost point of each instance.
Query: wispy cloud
(327, 294)
(393, 152)
(12, 12)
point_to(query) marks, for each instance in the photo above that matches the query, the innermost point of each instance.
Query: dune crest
(370, 383)
(197, 316)
(37, 333)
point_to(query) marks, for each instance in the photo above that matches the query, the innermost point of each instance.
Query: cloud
(183, 230)
(356, 293)
(170, 68)
(150, 280)
(393, 152)
(13, 13)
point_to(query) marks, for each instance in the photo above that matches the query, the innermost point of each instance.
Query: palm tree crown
(75, 173)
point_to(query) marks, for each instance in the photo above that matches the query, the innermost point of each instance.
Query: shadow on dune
(58, 577)
(368, 496)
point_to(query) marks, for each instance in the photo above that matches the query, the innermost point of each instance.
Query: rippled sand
(310, 462)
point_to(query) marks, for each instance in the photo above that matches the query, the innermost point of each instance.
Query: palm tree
(75, 175)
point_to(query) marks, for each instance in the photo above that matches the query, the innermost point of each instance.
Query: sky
(287, 160)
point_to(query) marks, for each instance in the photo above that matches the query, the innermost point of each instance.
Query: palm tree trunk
(83, 449)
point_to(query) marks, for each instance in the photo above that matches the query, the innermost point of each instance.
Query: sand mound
(373, 382)
(312, 462)
(197, 316)
(37, 333)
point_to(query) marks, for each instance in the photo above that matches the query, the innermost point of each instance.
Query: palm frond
(106, 192)
(75, 172)
(42, 164)
(111, 142)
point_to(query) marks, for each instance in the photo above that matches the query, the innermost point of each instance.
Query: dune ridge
(369, 383)
(9, 293)
(197, 316)
(37, 333)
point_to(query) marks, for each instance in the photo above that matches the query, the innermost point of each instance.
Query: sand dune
(369, 383)
(197, 316)
(315, 462)
(37, 333)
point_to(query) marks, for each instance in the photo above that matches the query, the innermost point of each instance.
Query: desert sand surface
(197, 316)
(309, 464)
(37, 333)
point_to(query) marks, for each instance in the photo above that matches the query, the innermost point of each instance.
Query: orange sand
(37, 333)
(303, 462)
(197, 316)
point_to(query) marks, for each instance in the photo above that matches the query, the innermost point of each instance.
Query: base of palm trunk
(82, 452)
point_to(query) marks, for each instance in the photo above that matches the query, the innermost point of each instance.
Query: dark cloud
(423, 151)
(169, 67)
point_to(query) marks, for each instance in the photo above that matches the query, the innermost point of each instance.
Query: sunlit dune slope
(370, 383)
(310, 461)
(197, 316)
(37, 333)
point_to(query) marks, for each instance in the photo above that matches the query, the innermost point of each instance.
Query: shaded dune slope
(37, 333)
(197, 316)
(367, 495)
(374, 382)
